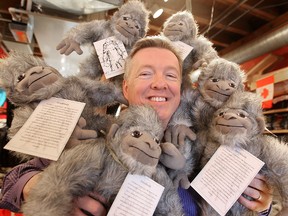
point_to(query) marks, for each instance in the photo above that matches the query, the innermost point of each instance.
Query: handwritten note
(184, 49)
(48, 129)
(138, 196)
(226, 175)
(112, 54)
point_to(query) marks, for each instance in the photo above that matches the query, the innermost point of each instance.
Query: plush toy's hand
(121, 99)
(67, 46)
(80, 134)
(181, 180)
(199, 63)
(171, 157)
(177, 134)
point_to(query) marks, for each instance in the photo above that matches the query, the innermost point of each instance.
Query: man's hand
(177, 134)
(80, 134)
(260, 193)
(67, 46)
(90, 206)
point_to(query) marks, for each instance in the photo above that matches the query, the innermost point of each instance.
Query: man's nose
(159, 82)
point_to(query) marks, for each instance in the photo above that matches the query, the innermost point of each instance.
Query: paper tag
(48, 129)
(184, 49)
(112, 54)
(139, 195)
(225, 177)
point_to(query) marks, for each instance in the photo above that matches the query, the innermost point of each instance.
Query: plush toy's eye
(181, 24)
(242, 115)
(137, 27)
(232, 85)
(136, 134)
(125, 18)
(157, 140)
(20, 77)
(214, 80)
(221, 113)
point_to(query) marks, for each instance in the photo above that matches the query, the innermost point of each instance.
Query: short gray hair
(149, 42)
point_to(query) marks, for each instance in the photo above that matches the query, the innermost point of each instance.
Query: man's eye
(20, 77)
(214, 80)
(136, 134)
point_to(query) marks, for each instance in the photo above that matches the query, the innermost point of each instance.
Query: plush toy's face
(142, 147)
(176, 28)
(232, 121)
(36, 78)
(128, 26)
(219, 89)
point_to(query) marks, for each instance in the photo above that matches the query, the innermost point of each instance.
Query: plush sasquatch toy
(216, 83)
(240, 124)
(181, 26)
(128, 24)
(131, 146)
(28, 80)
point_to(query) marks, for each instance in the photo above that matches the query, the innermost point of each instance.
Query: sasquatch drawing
(240, 123)
(132, 145)
(128, 24)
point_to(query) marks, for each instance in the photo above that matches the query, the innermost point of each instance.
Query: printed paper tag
(184, 49)
(139, 195)
(225, 177)
(48, 129)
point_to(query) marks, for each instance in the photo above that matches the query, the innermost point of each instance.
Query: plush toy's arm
(171, 156)
(84, 33)
(80, 134)
(204, 52)
(104, 93)
(74, 175)
(176, 134)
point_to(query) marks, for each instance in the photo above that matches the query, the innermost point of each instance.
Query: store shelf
(275, 111)
(277, 131)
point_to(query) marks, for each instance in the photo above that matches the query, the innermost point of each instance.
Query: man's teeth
(158, 99)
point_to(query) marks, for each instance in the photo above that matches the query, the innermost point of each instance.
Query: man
(152, 76)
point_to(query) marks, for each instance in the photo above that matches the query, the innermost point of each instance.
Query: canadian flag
(265, 88)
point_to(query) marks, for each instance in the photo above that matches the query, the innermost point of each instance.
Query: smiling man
(153, 76)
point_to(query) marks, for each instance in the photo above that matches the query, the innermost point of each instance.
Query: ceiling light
(156, 11)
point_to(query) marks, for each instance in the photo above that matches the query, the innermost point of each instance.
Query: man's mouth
(158, 99)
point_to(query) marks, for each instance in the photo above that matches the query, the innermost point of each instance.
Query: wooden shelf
(275, 111)
(277, 131)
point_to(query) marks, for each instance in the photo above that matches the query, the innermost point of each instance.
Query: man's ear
(125, 89)
(112, 131)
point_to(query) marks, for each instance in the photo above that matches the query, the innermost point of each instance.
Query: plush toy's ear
(112, 131)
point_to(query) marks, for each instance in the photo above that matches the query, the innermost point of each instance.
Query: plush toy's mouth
(235, 126)
(126, 30)
(144, 152)
(39, 78)
(226, 95)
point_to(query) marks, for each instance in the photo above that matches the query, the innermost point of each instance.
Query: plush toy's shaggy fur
(128, 24)
(181, 26)
(246, 106)
(216, 83)
(102, 166)
(72, 88)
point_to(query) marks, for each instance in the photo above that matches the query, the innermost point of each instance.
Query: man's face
(154, 79)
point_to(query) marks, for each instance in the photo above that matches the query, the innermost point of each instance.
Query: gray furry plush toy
(181, 26)
(28, 80)
(216, 83)
(131, 146)
(240, 123)
(128, 24)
